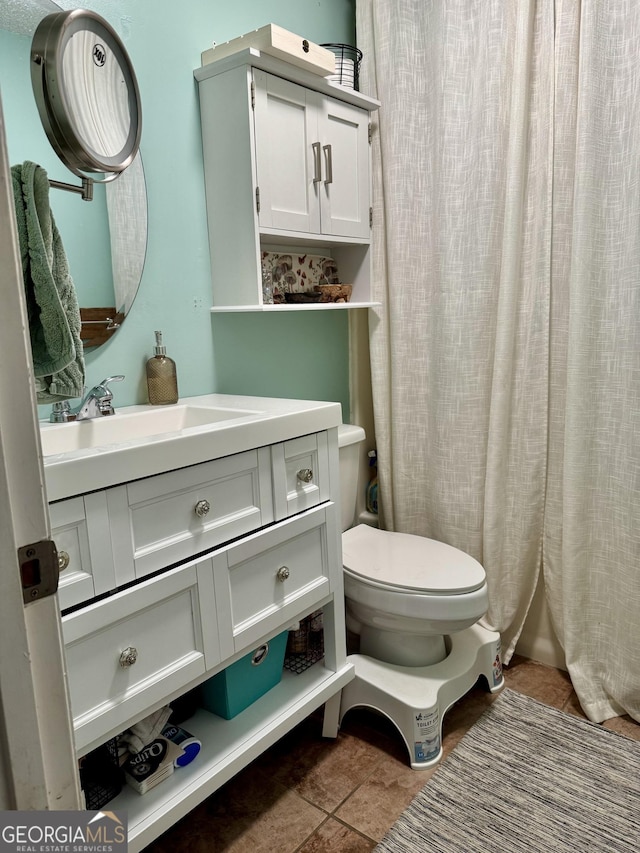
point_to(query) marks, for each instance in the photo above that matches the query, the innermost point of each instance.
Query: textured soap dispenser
(162, 381)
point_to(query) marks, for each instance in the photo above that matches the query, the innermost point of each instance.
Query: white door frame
(38, 767)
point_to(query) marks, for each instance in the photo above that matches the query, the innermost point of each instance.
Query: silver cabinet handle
(63, 561)
(305, 475)
(317, 163)
(129, 656)
(259, 655)
(202, 508)
(329, 156)
(283, 573)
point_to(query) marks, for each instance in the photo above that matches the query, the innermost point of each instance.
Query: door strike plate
(39, 570)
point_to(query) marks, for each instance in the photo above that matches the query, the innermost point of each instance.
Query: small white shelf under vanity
(288, 170)
(175, 544)
(227, 746)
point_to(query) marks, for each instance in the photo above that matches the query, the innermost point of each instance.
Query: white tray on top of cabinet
(287, 170)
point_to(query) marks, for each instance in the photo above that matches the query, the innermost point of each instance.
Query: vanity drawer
(300, 474)
(159, 521)
(80, 529)
(136, 648)
(269, 578)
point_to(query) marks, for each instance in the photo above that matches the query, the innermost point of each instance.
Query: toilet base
(416, 699)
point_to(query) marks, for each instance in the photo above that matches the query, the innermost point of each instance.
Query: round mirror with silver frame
(86, 92)
(105, 241)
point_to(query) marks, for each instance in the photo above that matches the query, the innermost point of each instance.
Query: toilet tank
(350, 438)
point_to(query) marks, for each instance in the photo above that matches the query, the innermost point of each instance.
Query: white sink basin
(126, 426)
(141, 441)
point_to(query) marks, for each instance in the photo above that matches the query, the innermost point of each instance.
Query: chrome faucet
(96, 404)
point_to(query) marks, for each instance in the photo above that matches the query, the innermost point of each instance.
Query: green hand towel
(52, 305)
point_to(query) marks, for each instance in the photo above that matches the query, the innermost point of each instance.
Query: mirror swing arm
(85, 191)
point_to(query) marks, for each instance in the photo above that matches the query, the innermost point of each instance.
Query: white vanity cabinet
(168, 594)
(287, 169)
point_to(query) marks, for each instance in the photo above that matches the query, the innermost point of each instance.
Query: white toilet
(415, 604)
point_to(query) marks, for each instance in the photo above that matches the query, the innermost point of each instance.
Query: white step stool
(416, 699)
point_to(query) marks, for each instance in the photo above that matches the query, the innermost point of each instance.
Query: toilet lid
(409, 562)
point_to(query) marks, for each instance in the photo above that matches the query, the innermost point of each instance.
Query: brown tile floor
(311, 795)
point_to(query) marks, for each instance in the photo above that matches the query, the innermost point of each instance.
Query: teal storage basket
(239, 685)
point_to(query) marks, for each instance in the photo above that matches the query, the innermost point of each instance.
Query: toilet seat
(409, 563)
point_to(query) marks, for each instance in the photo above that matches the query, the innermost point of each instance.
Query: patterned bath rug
(527, 778)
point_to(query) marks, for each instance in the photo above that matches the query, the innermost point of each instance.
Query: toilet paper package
(147, 768)
(189, 745)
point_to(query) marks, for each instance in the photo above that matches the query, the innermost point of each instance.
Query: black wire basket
(305, 644)
(101, 777)
(348, 59)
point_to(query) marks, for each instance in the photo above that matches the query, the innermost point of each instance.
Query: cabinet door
(158, 521)
(312, 160)
(287, 154)
(300, 474)
(133, 649)
(265, 581)
(80, 529)
(345, 185)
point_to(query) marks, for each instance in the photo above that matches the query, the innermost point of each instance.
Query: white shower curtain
(506, 258)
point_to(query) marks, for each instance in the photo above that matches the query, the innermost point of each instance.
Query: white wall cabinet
(312, 160)
(190, 593)
(287, 169)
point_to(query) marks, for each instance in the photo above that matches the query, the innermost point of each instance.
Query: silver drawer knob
(305, 475)
(202, 508)
(283, 573)
(129, 656)
(63, 561)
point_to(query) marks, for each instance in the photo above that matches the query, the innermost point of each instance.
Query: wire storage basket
(348, 59)
(305, 644)
(101, 777)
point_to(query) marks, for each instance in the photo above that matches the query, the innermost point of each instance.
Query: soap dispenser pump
(162, 380)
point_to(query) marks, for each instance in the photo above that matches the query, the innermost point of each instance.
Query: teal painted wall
(294, 355)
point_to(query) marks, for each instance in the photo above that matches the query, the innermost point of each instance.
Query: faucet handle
(61, 412)
(104, 401)
(103, 389)
(105, 382)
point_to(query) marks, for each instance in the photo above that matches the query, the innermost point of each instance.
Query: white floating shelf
(281, 309)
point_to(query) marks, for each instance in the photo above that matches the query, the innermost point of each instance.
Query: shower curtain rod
(86, 190)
